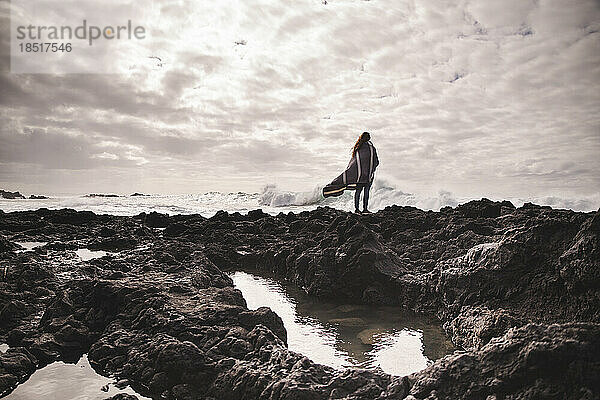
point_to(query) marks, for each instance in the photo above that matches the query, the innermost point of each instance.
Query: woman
(358, 175)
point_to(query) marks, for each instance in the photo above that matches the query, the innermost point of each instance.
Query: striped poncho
(360, 171)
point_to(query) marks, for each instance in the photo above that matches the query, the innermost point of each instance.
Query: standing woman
(358, 175)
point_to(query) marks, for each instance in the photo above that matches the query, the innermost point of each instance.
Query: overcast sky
(497, 98)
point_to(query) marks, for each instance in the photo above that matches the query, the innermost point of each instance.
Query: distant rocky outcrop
(101, 195)
(516, 288)
(10, 195)
(136, 194)
(34, 197)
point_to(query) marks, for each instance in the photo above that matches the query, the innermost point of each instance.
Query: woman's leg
(366, 196)
(357, 197)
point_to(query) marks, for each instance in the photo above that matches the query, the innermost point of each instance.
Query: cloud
(490, 98)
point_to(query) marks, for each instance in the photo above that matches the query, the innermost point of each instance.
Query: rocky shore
(17, 195)
(4, 194)
(516, 288)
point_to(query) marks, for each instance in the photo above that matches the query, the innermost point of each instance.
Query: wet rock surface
(517, 289)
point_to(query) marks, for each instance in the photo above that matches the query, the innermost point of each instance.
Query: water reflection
(28, 246)
(64, 381)
(343, 335)
(86, 254)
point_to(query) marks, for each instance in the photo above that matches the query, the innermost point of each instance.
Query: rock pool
(345, 335)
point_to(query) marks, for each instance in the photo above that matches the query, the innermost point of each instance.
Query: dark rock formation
(101, 195)
(136, 194)
(122, 396)
(34, 197)
(6, 245)
(10, 195)
(517, 289)
(534, 361)
(15, 365)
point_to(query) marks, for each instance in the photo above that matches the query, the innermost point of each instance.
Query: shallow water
(86, 254)
(61, 381)
(27, 246)
(345, 335)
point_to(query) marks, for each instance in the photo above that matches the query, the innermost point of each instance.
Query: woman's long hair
(364, 137)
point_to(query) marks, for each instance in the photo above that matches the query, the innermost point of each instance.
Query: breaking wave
(273, 197)
(274, 200)
(384, 194)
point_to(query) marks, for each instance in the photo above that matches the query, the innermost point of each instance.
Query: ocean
(272, 200)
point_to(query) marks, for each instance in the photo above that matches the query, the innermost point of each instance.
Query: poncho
(360, 171)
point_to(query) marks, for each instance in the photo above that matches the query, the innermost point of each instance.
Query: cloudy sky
(497, 98)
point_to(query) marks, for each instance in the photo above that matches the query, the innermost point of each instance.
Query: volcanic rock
(515, 288)
(11, 195)
(101, 195)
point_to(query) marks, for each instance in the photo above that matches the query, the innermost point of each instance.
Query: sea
(273, 200)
